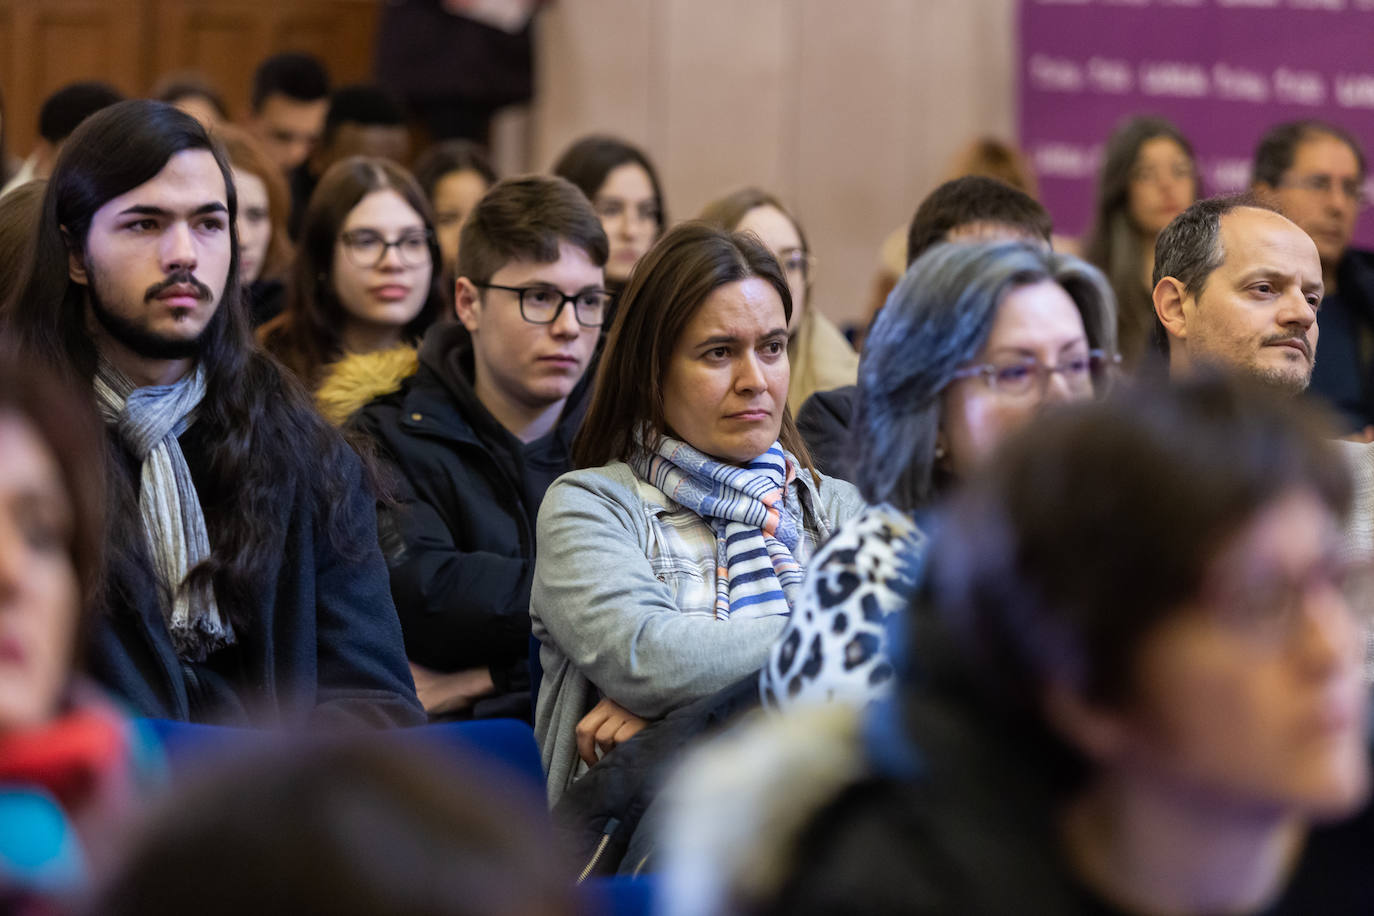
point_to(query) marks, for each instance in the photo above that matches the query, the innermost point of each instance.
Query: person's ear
(1169, 297)
(76, 261)
(1099, 734)
(467, 304)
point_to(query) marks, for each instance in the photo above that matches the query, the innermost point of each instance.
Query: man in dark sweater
(479, 433)
(244, 580)
(1314, 173)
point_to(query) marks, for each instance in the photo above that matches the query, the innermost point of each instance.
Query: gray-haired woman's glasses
(1085, 373)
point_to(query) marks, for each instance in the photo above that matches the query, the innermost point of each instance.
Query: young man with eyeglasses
(479, 433)
(1315, 174)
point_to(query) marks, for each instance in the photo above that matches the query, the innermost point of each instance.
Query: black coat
(324, 644)
(1344, 373)
(825, 422)
(469, 492)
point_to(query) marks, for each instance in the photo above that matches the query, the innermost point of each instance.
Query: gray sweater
(620, 603)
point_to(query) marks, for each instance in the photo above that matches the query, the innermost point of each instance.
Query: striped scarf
(148, 421)
(756, 530)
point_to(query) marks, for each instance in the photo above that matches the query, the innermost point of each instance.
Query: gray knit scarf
(148, 422)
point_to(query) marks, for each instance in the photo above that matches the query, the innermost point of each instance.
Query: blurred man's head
(289, 103)
(62, 112)
(362, 121)
(1314, 172)
(976, 209)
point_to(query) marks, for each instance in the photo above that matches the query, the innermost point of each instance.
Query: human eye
(773, 347)
(717, 354)
(214, 224)
(363, 238)
(1012, 374)
(594, 299)
(1078, 365)
(142, 224)
(609, 208)
(542, 295)
(414, 243)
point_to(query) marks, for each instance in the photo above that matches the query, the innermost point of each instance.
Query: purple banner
(1224, 71)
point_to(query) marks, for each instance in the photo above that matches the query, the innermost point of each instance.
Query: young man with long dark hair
(244, 581)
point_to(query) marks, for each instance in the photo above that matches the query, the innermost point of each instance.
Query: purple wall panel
(1223, 70)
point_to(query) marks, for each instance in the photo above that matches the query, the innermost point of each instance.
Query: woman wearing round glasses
(364, 288)
(973, 341)
(667, 564)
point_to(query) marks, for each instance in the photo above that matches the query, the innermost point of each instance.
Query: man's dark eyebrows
(147, 210)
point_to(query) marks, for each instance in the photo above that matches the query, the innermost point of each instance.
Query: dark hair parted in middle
(526, 219)
(974, 199)
(669, 284)
(935, 322)
(1097, 524)
(307, 335)
(588, 161)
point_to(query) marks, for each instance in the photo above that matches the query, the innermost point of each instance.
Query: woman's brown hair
(66, 423)
(246, 153)
(306, 336)
(667, 287)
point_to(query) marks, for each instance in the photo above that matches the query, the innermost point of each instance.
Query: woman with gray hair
(972, 342)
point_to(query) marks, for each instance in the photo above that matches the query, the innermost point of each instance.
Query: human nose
(1297, 311)
(179, 249)
(1328, 634)
(1056, 387)
(749, 377)
(390, 259)
(565, 324)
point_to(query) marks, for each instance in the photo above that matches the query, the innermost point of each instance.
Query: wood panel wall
(45, 44)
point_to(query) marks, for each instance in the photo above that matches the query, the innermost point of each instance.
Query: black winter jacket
(468, 494)
(324, 645)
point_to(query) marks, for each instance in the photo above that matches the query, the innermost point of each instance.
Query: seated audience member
(479, 432)
(819, 356)
(973, 342)
(669, 562)
(623, 187)
(245, 581)
(191, 93)
(1134, 688)
(362, 121)
(1314, 173)
(1237, 287)
(289, 102)
(1149, 176)
(19, 214)
(70, 764)
(967, 209)
(265, 251)
(364, 287)
(61, 113)
(349, 829)
(454, 175)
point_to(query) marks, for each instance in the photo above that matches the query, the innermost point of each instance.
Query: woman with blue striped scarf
(669, 563)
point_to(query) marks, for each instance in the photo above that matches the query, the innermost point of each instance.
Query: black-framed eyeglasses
(1087, 373)
(543, 304)
(367, 248)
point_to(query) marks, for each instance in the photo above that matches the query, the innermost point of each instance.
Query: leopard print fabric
(835, 645)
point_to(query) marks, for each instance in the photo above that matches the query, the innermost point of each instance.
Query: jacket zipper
(611, 826)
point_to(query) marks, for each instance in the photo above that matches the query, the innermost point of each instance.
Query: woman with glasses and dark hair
(668, 563)
(973, 342)
(623, 187)
(820, 357)
(1149, 176)
(364, 287)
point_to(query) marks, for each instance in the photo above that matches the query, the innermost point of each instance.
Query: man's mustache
(178, 278)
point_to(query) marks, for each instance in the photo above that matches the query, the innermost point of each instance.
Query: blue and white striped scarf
(756, 528)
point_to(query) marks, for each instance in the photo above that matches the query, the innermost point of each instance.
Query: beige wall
(849, 110)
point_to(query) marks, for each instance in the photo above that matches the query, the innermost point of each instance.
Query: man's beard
(137, 338)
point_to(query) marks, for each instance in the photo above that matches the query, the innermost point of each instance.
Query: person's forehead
(573, 269)
(191, 179)
(1250, 234)
(281, 107)
(1324, 152)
